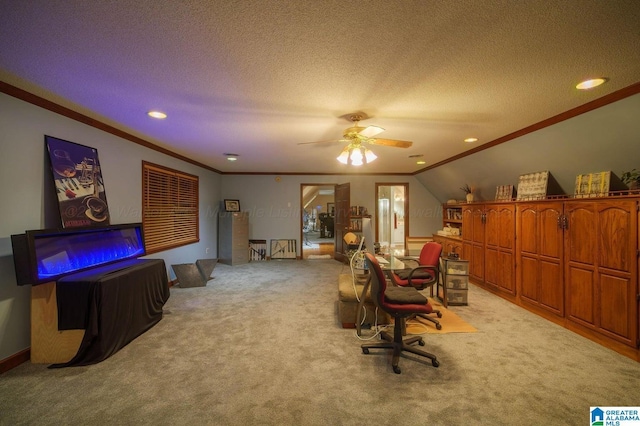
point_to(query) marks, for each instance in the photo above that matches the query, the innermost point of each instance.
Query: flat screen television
(45, 255)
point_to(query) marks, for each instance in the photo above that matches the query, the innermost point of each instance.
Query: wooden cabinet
(449, 244)
(573, 261)
(540, 255)
(601, 267)
(233, 238)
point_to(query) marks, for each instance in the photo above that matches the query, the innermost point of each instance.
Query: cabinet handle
(563, 222)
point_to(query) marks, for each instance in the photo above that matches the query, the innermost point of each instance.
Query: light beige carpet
(319, 256)
(450, 321)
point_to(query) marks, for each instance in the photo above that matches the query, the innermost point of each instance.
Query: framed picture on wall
(232, 205)
(78, 183)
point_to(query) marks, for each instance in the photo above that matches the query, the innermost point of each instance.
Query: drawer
(457, 282)
(457, 297)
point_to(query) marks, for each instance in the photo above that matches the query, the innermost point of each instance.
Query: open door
(392, 220)
(343, 203)
(317, 206)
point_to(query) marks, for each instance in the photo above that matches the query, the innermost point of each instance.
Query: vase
(469, 198)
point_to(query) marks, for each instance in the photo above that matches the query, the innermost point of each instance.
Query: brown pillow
(418, 275)
(404, 296)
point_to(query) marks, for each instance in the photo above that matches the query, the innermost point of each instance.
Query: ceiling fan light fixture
(369, 155)
(344, 156)
(356, 155)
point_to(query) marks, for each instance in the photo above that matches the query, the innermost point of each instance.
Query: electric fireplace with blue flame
(42, 256)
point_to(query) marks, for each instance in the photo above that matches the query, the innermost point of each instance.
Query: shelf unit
(355, 222)
(452, 215)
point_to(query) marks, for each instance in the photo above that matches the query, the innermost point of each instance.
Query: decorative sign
(78, 183)
(283, 249)
(597, 184)
(537, 186)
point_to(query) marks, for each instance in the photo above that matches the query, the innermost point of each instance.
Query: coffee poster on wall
(78, 184)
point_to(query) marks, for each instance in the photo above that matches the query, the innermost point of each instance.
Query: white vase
(469, 198)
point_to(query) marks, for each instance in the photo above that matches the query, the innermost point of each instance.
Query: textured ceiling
(258, 77)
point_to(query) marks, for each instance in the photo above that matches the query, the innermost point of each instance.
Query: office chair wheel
(435, 363)
(365, 350)
(396, 369)
(439, 326)
(421, 342)
(439, 315)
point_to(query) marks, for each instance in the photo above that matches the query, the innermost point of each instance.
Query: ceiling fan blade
(371, 131)
(323, 142)
(391, 142)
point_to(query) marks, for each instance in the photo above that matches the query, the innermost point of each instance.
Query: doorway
(392, 219)
(317, 205)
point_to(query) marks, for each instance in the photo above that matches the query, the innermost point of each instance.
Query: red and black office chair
(425, 275)
(400, 303)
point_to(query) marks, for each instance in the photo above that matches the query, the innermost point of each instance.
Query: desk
(388, 263)
(114, 303)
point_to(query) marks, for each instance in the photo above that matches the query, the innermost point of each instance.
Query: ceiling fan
(355, 153)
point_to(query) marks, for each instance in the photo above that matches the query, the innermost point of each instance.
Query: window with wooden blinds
(169, 208)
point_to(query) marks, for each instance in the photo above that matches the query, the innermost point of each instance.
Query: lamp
(356, 155)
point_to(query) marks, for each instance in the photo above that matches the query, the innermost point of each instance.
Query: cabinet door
(499, 247)
(528, 275)
(617, 268)
(540, 277)
(477, 229)
(601, 271)
(473, 240)
(550, 257)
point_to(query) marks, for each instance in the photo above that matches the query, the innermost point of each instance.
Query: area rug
(319, 256)
(450, 321)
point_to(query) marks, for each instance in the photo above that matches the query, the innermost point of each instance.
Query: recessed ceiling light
(590, 84)
(157, 114)
(421, 162)
(231, 157)
(471, 140)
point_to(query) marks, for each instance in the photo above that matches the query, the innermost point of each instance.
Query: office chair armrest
(412, 259)
(430, 269)
(403, 258)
